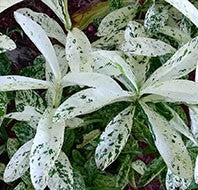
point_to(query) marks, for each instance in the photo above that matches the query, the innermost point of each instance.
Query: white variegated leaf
(193, 110)
(49, 25)
(19, 163)
(14, 82)
(155, 18)
(180, 64)
(114, 138)
(87, 101)
(45, 149)
(175, 91)
(146, 47)
(116, 20)
(180, 126)
(187, 8)
(38, 36)
(115, 58)
(110, 40)
(78, 49)
(95, 80)
(104, 66)
(169, 144)
(58, 7)
(139, 166)
(62, 61)
(29, 98)
(29, 114)
(176, 33)
(6, 44)
(133, 30)
(62, 174)
(154, 98)
(174, 182)
(196, 171)
(8, 3)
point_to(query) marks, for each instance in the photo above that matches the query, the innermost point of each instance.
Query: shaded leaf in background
(12, 146)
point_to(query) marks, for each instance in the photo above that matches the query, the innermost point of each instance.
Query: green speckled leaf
(180, 64)
(62, 176)
(3, 103)
(146, 47)
(2, 168)
(169, 144)
(174, 182)
(49, 25)
(87, 101)
(19, 163)
(78, 49)
(116, 20)
(78, 181)
(21, 186)
(14, 82)
(114, 138)
(12, 146)
(46, 147)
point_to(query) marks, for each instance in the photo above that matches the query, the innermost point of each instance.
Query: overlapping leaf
(114, 138)
(8, 3)
(6, 43)
(170, 145)
(46, 148)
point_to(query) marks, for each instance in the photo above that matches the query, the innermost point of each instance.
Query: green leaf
(45, 150)
(62, 176)
(2, 149)
(78, 49)
(14, 82)
(187, 8)
(146, 47)
(105, 181)
(20, 186)
(19, 163)
(153, 170)
(87, 101)
(116, 20)
(23, 132)
(78, 181)
(3, 103)
(41, 41)
(6, 44)
(49, 25)
(122, 176)
(115, 4)
(180, 64)
(69, 138)
(12, 146)
(114, 138)
(174, 91)
(5, 65)
(2, 168)
(167, 139)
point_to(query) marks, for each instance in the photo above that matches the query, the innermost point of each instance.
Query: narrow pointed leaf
(187, 8)
(6, 43)
(14, 82)
(115, 58)
(174, 182)
(114, 138)
(49, 25)
(38, 36)
(87, 101)
(180, 64)
(116, 20)
(19, 163)
(170, 145)
(78, 49)
(62, 175)
(3, 103)
(175, 91)
(95, 80)
(139, 166)
(146, 47)
(45, 150)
